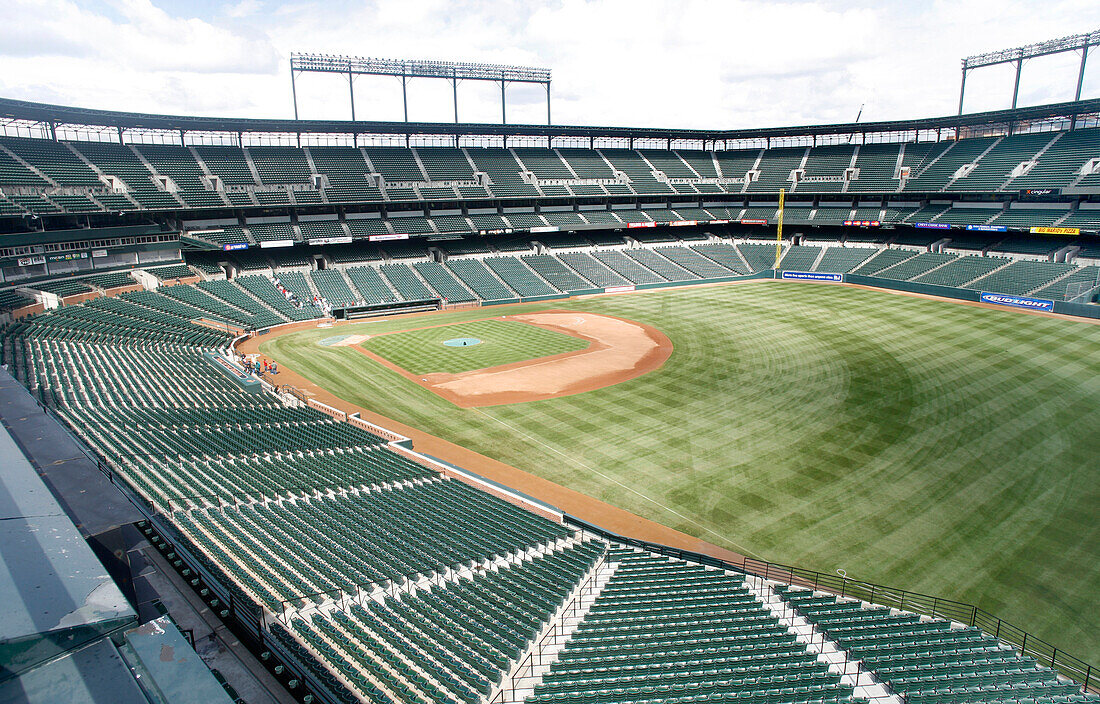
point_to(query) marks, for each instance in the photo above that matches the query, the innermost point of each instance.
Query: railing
(1046, 654)
(557, 628)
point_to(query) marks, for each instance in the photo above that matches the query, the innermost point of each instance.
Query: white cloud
(687, 63)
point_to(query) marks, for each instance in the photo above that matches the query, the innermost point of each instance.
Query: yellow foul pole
(779, 232)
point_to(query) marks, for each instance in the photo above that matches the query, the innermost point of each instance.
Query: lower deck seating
(841, 260)
(664, 630)
(931, 661)
(558, 274)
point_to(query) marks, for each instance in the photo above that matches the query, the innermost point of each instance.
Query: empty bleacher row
(43, 176)
(931, 660)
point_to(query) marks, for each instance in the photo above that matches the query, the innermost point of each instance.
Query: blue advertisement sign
(237, 245)
(811, 276)
(987, 228)
(933, 225)
(1003, 299)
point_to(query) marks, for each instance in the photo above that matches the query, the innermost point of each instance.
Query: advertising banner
(1055, 231)
(235, 246)
(933, 225)
(545, 228)
(385, 238)
(618, 289)
(330, 240)
(272, 244)
(1003, 299)
(812, 276)
(987, 228)
(862, 223)
(683, 223)
(66, 257)
(754, 221)
(32, 261)
(632, 225)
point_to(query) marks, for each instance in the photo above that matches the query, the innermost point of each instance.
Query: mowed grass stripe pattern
(921, 444)
(502, 342)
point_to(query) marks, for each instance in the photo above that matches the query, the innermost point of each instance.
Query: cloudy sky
(659, 63)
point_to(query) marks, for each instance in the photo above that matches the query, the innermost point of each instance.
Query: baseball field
(937, 447)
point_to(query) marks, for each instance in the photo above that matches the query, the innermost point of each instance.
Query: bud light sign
(1002, 299)
(812, 276)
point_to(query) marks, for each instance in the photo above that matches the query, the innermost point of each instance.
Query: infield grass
(920, 444)
(501, 342)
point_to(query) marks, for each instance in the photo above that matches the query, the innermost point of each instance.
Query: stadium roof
(62, 115)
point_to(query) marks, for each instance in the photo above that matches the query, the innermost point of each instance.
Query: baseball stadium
(427, 412)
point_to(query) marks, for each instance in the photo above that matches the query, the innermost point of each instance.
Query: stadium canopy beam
(1017, 55)
(43, 113)
(416, 68)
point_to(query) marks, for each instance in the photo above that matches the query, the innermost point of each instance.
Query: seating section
(259, 176)
(656, 262)
(725, 254)
(1060, 165)
(995, 167)
(961, 270)
(370, 538)
(280, 301)
(405, 282)
(627, 267)
(841, 260)
(885, 258)
(590, 268)
(1021, 277)
(444, 283)
(758, 256)
(448, 643)
(368, 281)
(936, 175)
(1080, 286)
(556, 272)
(663, 630)
(522, 280)
(333, 287)
(694, 262)
(931, 661)
(480, 280)
(915, 266)
(172, 271)
(799, 258)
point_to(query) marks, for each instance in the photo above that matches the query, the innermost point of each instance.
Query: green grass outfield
(922, 444)
(502, 342)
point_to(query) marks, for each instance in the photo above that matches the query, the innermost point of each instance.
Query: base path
(618, 350)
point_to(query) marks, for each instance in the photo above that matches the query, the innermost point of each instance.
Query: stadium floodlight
(405, 69)
(1017, 55)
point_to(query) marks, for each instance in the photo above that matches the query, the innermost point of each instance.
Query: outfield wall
(1080, 310)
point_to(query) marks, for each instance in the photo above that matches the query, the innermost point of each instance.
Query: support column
(1081, 73)
(293, 89)
(405, 97)
(503, 104)
(351, 93)
(454, 89)
(548, 98)
(1016, 87)
(962, 91)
